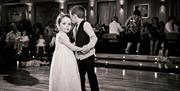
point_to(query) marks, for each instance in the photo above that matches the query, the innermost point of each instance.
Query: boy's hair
(79, 11)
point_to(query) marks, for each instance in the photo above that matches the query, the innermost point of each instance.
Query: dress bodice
(59, 46)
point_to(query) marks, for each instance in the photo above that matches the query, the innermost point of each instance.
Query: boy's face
(74, 18)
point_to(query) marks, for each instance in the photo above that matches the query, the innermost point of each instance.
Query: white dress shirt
(115, 28)
(169, 27)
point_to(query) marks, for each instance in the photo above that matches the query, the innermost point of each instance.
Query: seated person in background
(115, 27)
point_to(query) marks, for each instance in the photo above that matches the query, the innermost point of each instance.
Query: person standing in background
(12, 40)
(170, 26)
(48, 35)
(25, 24)
(133, 26)
(115, 27)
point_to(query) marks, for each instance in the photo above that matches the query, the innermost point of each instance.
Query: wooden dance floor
(109, 78)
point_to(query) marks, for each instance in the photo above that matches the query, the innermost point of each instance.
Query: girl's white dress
(64, 73)
(41, 43)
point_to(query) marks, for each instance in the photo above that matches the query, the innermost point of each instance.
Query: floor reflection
(21, 78)
(110, 79)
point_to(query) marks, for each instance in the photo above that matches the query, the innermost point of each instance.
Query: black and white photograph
(89, 45)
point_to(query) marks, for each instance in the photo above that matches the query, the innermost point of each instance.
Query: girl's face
(65, 24)
(24, 33)
(40, 36)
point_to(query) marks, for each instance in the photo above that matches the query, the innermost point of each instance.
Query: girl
(24, 40)
(64, 73)
(24, 54)
(41, 43)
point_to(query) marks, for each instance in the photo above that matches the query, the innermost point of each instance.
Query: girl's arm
(92, 36)
(27, 39)
(63, 38)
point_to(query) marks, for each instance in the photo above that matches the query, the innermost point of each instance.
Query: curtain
(106, 11)
(175, 8)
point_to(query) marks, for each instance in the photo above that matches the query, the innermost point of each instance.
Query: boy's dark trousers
(87, 65)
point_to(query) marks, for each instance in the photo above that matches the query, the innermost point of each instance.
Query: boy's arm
(92, 36)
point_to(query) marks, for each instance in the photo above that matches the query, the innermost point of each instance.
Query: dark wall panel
(45, 12)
